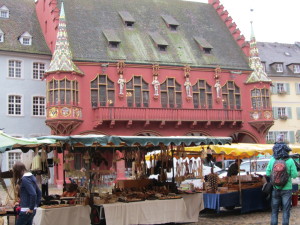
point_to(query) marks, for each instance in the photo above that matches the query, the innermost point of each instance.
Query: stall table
(181, 210)
(252, 199)
(75, 215)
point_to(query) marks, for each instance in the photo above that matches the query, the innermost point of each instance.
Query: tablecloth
(72, 215)
(194, 204)
(181, 210)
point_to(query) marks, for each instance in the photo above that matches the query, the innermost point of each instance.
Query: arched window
(231, 96)
(102, 91)
(171, 94)
(260, 98)
(62, 92)
(202, 95)
(137, 92)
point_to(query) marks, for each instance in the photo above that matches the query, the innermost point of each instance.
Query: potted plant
(283, 117)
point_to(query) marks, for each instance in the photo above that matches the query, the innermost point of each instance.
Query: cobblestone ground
(234, 217)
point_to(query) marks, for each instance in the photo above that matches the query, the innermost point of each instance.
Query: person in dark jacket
(234, 168)
(29, 192)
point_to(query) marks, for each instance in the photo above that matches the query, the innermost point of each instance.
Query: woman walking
(29, 193)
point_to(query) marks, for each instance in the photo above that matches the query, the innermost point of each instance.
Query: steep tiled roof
(258, 74)
(279, 53)
(22, 18)
(86, 21)
(62, 56)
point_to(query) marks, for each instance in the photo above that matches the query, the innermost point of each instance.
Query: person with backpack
(281, 169)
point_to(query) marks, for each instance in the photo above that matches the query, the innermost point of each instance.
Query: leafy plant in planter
(282, 92)
(283, 117)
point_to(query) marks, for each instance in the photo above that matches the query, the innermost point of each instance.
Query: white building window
(25, 38)
(38, 106)
(280, 88)
(14, 68)
(38, 70)
(4, 12)
(13, 157)
(270, 137)
(279, 67)
(1, 36)
(282, 111)
(296, 68)
(14, 105)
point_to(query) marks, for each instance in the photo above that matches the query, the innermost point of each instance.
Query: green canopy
(89, 140)
(8, 142)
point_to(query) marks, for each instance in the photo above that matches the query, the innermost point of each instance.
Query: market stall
(244, 191)
(131, 195)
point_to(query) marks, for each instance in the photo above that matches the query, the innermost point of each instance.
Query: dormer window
(296, 68)
(162, 48)
(127, 18)
(279, 67)
(4, 12)
(159, 41)
(1, 36)
(171, 22)
(112, 38)
(204, 45)
(25, 39)
(114, 44)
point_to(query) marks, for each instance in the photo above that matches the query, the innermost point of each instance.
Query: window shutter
(275, 113)
(274, 88)
(289, 112)
(287, 88)
(292, 137)
(297, 88)
(298, 113)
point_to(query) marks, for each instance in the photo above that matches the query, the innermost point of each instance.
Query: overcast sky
(273, 20)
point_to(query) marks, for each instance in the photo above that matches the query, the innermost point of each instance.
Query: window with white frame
(14, 105)
(38, 70)
(280, 88)
(282, 111)
(279, 67)
(4, 12)
(25, 38)
(38, 106)
(285, 135)
(270, 138)
(26, 41)
(296, 68)
(13, 157)
(14, 68)
(1, 36)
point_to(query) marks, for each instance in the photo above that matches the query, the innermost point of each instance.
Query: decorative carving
(217, 72)
(53, 112)
(65, 111)
(155, 69)
(120, 67)
(267, 115)
(187, 70)
(188, 86)
(218, 89)
(156, 85)
(121, 83)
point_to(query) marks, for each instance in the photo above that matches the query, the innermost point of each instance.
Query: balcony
(162, 115)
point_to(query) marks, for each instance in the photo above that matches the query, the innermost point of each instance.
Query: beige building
(282, 64)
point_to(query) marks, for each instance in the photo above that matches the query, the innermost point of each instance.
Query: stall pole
(64, 171)
(173, 177)
(240, 184)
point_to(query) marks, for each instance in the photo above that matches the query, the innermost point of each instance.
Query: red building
(144, 67)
